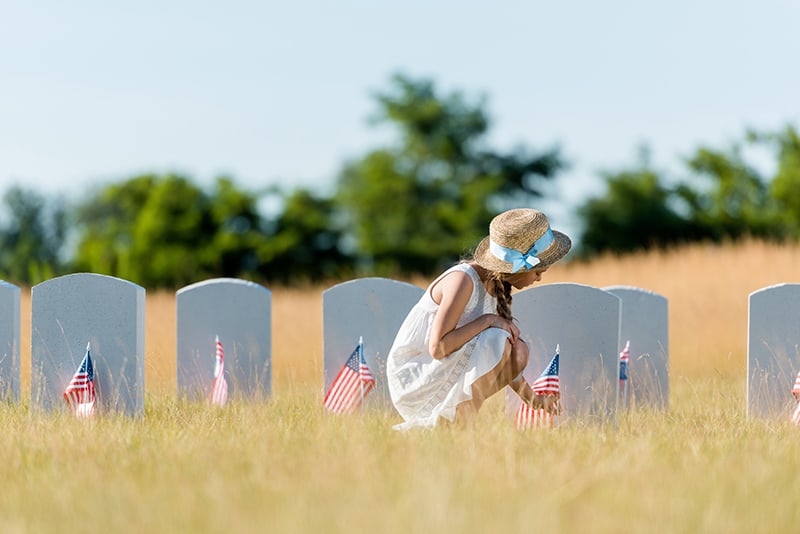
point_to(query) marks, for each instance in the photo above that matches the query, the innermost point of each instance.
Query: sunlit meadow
(285, 466)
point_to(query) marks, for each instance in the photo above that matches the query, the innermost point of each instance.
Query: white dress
(423, 388)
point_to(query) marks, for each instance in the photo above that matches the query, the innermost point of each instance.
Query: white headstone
(240, 313)
(372, 308)
(71, 311)
(584, 323)
(9, 342)
(773, 350)
(645, 324)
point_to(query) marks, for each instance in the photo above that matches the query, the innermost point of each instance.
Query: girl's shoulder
(460, 278)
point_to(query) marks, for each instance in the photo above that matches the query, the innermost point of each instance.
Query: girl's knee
(519, 362)
(519, 356)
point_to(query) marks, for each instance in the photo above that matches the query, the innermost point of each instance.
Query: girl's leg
(511, 365)
(466, 412)
(516, 367)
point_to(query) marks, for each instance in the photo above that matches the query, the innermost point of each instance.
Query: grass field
(285, 466)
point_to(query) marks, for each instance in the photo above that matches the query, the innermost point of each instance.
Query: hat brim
(557, 250)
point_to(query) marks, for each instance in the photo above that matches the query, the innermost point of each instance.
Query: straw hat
(521, 240)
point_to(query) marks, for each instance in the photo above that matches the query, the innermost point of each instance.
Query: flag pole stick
(85, 392)
(552, 416)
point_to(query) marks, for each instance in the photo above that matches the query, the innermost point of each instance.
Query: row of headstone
(586, 322)
(589, 326)
(583, 322)
(107, 313)
(67, 312)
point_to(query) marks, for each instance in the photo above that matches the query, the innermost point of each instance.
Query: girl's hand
(495, 321)
(548, 402)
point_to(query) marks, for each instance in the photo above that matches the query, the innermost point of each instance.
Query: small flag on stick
(219, 388)
(624, 361)
(796, 393)
(547, 384)
(80, 393)
(351, 385)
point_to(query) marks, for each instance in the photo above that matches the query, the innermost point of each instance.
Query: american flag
(80, 393)
(547, 384)
(351, 385)
(796, 393)
(219, 388)
(624, 360)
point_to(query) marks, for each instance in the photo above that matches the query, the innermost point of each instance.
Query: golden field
(285, 466)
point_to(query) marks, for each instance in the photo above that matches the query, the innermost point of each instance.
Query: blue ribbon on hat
(517, 259)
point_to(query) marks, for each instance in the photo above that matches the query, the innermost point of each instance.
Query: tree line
(410, 207)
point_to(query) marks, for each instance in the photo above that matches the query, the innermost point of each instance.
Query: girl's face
(528, 278)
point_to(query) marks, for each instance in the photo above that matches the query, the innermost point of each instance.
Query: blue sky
(280, 92)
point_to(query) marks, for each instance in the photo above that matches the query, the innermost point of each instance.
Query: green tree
(106, 223)
(32, 234)
(171, 234)
(735, 200)
(422, 203)
(784, 189)
(724, 197)
(637, 212)
(165, 231)
(238, 232)
(304, 241)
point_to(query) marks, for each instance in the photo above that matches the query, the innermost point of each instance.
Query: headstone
(371, 308)
(645, 324)
(9, 342)
(71, 311)
(584, 322)
(773, 350)
(240, 313)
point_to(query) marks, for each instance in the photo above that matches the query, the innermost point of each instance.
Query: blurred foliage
(634, 214)
(303, 243)
(164, 231)
(784, 188)
(408, 208)
(32, 232)
(421, 204)
(723, 196)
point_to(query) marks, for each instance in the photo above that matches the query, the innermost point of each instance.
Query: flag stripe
(219, 387)
(547, 383)
(344, 395)
(528, 418)
(350, 386)
(796, 392)
(796, 387)
(342, 390)
(624, 359)
(80, 393)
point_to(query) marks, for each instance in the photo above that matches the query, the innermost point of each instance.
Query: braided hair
(500, 288)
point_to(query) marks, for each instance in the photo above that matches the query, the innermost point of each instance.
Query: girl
(459, 345)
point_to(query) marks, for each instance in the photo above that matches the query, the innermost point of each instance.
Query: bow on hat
(519, 260)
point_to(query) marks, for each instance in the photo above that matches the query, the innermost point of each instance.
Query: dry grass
(285, 466)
